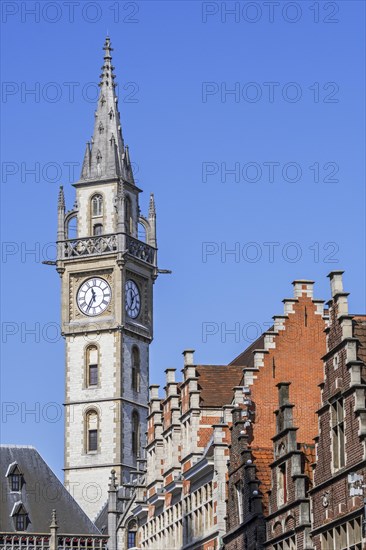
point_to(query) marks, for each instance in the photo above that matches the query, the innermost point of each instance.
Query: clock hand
(90, 303)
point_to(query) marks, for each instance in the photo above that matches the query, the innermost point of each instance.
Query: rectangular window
(20, 522)
(15, 482)
(93, 440)
(131, 543)
(281, 485)
(93, 375)
(98, 229)
(347, 536)
(337, 419)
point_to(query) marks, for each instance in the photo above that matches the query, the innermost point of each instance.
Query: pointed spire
(61, 198)
(61, 215)
(85, 171)
(152, 221)
(105, 157)
(152, 210)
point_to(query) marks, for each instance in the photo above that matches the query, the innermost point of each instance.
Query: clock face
(132, 299)
(94, 296)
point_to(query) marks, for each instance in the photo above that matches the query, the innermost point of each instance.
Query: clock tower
(107, 260)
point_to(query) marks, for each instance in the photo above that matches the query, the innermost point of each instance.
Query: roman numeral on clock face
(94, 296)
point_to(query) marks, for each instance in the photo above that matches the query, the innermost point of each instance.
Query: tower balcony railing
(140, 250)
(106, 244)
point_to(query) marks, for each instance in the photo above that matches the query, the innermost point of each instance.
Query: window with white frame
(337, 421)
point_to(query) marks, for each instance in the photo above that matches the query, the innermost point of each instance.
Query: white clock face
(94, 296)
(132, 299)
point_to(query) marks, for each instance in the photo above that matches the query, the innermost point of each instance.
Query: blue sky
(274, 97)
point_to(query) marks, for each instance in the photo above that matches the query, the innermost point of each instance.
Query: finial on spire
(107, 48)
(105, 156)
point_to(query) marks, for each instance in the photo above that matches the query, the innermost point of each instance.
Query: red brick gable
(295, 358)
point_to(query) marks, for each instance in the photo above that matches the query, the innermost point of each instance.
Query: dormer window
(20, 516)
(15, 477)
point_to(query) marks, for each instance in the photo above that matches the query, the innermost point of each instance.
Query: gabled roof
(216, 383)
(18, 507)
(41, 492)
(12, 468)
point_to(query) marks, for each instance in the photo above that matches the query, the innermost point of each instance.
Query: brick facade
(340, 470)
(291, 351)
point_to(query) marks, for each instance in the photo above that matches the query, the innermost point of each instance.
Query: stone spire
(61, 215)
(152, 211)
(61, 198)
(106, 155)
(152, 221)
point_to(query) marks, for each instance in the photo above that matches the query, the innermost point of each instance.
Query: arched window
(141, 232)
(135, 379)
(92, 431)
(97, 229)
(135, 434)
(131, 534)
(97, 206)
(72, 228)
(92, 366)
(128, 215)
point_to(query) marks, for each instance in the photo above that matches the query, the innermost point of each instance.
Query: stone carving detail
(105, 244)
(140, 250)
(90, 246)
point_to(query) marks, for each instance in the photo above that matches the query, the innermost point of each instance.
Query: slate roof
(41, 492)
(216, 383)
(246, 357)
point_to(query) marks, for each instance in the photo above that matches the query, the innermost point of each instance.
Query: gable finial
(54, 520)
